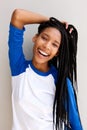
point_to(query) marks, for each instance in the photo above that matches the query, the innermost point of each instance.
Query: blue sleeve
(16, 56)
(74, 114)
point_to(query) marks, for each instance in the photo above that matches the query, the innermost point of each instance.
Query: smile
(43, 53)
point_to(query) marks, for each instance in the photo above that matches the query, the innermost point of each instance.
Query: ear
(35, 37)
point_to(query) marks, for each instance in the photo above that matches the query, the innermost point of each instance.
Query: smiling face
(46, 46)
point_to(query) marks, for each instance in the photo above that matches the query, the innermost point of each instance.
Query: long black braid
(65, 63)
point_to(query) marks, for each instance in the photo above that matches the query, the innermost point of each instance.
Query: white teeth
(43, 53)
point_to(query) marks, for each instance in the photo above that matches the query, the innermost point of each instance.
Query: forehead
(52, 32)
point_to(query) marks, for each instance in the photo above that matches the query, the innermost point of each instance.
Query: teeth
(43, 53)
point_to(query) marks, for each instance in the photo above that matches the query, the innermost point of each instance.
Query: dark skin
(22, 17)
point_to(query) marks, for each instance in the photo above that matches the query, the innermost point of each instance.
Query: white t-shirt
(32, 100)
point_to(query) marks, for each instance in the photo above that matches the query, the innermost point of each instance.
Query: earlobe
(34, 38)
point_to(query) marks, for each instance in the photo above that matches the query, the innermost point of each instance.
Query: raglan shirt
(33, 91)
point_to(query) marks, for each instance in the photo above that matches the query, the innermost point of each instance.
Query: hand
(66, 26)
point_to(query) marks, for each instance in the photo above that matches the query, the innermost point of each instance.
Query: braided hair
(65, 63)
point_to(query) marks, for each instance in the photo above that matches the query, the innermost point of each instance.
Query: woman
(43, 91)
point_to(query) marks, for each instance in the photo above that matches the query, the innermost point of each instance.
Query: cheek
(36, 45)
(37, 42)
(56, 51)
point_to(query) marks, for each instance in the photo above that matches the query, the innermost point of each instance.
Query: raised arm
(22, 17)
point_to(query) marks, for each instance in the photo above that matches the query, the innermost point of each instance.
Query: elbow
(15, 15)
(16, 18)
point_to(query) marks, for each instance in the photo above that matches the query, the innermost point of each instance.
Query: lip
(42, 53)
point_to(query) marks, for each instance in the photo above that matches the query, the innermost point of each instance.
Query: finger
(71, 30)
(66, 24)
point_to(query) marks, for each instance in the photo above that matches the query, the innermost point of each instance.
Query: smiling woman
(43, 94)
(46, 47)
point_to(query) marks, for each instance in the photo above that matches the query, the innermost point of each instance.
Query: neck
(41, 66)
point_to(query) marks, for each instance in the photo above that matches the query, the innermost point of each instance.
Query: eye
(55, 45)
(44, 38)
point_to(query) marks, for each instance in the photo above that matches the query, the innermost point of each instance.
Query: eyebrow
(48, 36)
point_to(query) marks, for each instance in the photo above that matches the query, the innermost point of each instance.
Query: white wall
(72, 11)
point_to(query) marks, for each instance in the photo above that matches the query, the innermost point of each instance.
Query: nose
(47, 45)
